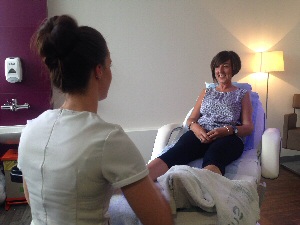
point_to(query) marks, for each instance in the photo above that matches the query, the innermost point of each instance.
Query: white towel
(235, 201)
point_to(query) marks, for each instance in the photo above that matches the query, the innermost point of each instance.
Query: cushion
(258, 119)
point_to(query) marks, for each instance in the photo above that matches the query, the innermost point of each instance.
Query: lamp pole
(267, 95)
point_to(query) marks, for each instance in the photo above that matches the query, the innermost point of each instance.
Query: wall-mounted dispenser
(13, 69)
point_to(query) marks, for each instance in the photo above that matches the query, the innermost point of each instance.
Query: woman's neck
(87, 101)
(225, 87)
(80, 102)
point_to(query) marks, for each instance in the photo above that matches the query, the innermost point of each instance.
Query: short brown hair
(222, 57)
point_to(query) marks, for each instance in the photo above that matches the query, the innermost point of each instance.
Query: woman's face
(105, 78)
(223, 72)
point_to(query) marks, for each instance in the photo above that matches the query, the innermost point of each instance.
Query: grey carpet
(292, 163)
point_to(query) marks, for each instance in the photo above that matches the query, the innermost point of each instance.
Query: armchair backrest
(296, 101)
(290, 131)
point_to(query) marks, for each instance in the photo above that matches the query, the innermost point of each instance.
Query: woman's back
(74, 160)
(70, 158)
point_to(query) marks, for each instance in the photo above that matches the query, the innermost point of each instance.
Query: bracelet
(189, 126)
(227, 129)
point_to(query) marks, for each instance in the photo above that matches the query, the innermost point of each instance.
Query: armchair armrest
(163, 137)
(289, 122)
(271, 146)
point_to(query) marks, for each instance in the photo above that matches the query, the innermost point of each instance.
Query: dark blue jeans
(220, 152)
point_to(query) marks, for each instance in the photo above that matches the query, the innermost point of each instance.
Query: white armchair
(260, 158)
(262, 146)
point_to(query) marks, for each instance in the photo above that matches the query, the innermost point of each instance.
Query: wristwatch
(235, 130)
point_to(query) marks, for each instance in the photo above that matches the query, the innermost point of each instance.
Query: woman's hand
(211, 135)
(200, 133)
(219, 132)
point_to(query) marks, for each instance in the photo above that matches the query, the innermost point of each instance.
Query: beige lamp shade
(270, 61)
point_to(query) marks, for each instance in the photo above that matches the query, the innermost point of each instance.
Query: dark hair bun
(58, 36)
(71, 52)
(64, 35)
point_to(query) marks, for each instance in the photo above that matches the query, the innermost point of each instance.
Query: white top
(71, 161)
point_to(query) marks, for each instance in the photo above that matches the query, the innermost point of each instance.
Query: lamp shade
(272, 61)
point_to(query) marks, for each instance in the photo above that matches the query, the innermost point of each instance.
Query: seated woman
(220, 119)
(70, 157)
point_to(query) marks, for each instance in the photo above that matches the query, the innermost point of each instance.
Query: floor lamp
(271, 62)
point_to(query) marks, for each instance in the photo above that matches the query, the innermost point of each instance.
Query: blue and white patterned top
(220, 109)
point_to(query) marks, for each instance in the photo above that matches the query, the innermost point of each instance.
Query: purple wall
(18, 21)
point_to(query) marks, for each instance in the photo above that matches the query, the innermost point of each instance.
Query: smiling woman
(217, 125)
(225, 63)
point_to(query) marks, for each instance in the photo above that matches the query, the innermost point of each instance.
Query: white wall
(144, 141)
(161, 51)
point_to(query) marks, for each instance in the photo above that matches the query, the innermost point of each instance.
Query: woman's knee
(214, 169)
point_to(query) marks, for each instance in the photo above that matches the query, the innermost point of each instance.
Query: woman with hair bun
(218, 122)
(71, 159)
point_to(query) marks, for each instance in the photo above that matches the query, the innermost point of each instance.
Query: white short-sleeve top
(71, 162)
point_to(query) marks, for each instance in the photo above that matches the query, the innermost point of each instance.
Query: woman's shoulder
(85, 120)
(242, 91)
(46, 115)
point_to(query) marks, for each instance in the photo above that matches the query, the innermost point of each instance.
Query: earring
(97, 77)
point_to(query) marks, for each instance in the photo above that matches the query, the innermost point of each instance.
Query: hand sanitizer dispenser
(13, 69)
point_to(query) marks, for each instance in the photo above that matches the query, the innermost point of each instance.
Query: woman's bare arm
(246, 127)
(192, 120)
(148, 203)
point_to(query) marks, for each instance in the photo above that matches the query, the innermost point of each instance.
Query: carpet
(292, 163)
